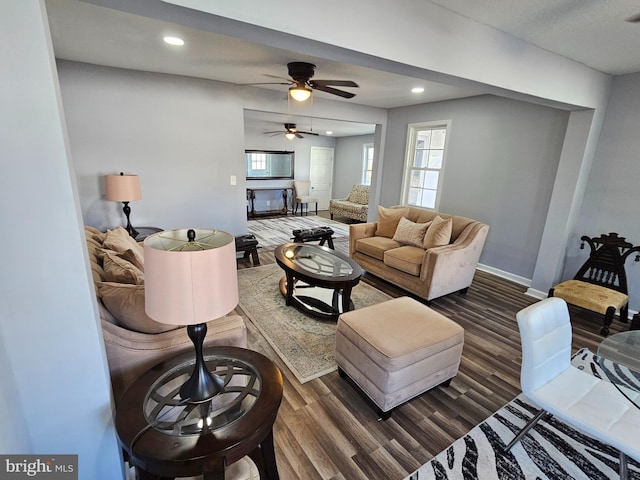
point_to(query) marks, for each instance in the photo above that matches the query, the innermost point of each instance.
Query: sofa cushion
(388, 219)
(407, 259)
(438, 233)
(410, 233)
(376, 246)
(120, 270)
(126, 303)
(120, 241)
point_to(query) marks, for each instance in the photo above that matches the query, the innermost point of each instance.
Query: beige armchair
(302, 196)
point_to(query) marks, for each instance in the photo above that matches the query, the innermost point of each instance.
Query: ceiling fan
(290, 131)
(302, 85)
(634, 18)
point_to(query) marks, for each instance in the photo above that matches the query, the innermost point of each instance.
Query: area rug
(551, 450)
(271, 232)
(304, 344)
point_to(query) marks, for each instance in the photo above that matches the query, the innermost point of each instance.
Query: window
(424, 164)
(367, 163)
(259, 161)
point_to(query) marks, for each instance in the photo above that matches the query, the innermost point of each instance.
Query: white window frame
(365, 161)
(412, 130)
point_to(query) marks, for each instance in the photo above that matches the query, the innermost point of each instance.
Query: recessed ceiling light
(329, 132)
(417, 90)
(174, 41)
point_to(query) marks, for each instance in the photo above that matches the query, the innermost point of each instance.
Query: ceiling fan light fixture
(300, 93)
(290, 135)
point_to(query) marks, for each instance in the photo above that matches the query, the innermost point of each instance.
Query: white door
(321, 175)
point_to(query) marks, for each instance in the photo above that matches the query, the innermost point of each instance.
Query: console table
(251, 196)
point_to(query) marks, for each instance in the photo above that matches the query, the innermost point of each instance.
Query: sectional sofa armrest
(130, 353)
(358, 231)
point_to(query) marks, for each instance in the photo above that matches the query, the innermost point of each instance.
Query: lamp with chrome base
(191, 278)
(123, 188)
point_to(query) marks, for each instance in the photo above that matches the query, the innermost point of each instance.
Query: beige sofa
(420, 258)
(354, 206)
(133, 341)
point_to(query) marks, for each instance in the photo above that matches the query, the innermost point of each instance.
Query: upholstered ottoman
(397, 349)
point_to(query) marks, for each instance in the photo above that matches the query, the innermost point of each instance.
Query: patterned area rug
(550, 451)
(272, 232)
(305, 344)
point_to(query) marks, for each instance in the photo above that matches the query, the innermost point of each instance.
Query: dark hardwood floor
(326, 430)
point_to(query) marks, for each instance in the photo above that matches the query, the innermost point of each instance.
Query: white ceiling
(593, 32)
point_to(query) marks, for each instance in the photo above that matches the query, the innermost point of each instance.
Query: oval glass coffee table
(619, 357)
(318, 281)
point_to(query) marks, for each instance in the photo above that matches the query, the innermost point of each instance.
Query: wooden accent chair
(601, 283)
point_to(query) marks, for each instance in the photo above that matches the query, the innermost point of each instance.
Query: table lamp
(191, 278)
(123, 188)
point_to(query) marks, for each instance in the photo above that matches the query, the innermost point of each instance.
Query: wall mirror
(269, 164)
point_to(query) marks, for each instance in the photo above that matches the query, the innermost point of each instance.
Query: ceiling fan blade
(263, 83)
(298, 135)
(335, 83)
(308, 133)
(634, 18)
(334, 91)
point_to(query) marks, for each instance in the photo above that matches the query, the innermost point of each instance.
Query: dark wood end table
(163, 437)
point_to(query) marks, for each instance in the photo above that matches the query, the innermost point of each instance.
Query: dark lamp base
(202, 385)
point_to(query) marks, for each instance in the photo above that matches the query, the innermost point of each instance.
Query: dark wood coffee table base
(341, 300)
(317, 267)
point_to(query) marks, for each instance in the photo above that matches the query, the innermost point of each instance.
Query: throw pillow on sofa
(388, 219)
(120, 241)
(438, 233)
(411, 233)
(126, 303)
(117, 268)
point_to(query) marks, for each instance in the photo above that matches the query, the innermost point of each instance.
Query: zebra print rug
(551, 450)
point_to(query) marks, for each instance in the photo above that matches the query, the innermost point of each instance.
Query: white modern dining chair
(548, 379)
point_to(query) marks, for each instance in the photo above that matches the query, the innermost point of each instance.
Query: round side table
(164, 437)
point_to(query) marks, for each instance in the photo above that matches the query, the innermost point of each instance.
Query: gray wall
(182, 136)
(56, 395)
(611, 200)
(502, 156)
(347, 170)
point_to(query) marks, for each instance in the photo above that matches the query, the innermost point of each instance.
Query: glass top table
(619, 358)
(166, 437)
(311, 270)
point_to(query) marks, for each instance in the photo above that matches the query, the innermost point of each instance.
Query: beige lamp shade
(190, 282)
(122, 188)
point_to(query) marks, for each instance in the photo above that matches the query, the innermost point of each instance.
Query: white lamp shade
(122, 188)
(190, 283)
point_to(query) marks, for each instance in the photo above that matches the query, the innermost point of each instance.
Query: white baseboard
(539, 294)
(506, 275)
